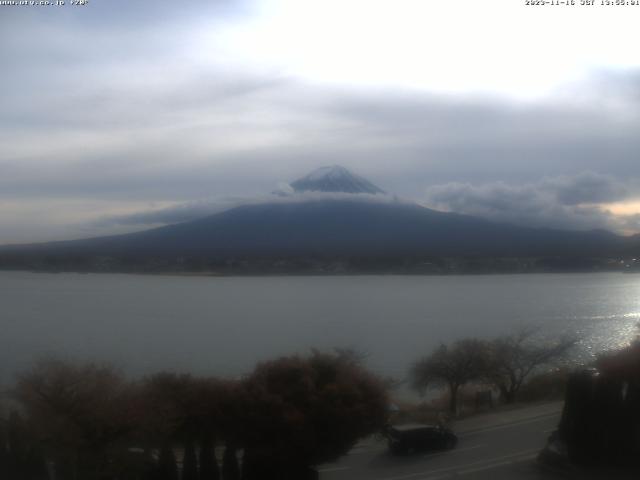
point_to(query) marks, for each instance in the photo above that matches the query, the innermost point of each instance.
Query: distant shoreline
(317, 264)
(218, 274)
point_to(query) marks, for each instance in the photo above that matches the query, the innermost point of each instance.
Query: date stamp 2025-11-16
(583, 3)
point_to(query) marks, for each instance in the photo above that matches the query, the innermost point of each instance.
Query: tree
(4, 450)
(187, 410)
(623, 364)
(189, 463)
(168, 410)
(79, 411)
(452, 367)
(21, 456)
(230, 468)
(208, 464)
(512, 359)
(167, 468)
(182, 408)
(303, 411)
(601, 415)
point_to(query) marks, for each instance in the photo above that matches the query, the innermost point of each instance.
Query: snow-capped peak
(334, 171)
(334, 178)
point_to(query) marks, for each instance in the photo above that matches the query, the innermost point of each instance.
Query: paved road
(492, 446)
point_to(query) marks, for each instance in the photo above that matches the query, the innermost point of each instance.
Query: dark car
(418, 437)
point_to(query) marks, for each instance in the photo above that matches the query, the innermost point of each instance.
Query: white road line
(439, 477)
(332, 469)
(337, 469)
(496, 465)
(454, 469)
(450, 452)
(506, 425)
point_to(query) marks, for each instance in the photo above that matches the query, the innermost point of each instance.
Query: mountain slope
(338, 227)
(345, 216)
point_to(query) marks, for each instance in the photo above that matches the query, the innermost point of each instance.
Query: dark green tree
(35, 464)
(4, 452)
(230, 467)
(209, 469)
(21, 455)
(16, 445)
(183, 408)
(189, 463)
(167, 468)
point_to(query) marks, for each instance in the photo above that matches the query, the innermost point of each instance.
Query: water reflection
(224, 325)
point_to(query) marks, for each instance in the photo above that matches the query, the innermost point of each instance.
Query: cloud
(631, 223)
(121, 14)
(154, 107)
(617, 89)
(175, 214)
(194, 210)
(474, 137)
(566, 202)
(585, 187)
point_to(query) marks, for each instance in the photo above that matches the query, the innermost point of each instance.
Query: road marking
(457, 450)
(332, 469)
(496, 465)
(361, 451)
(507, 425)
(433, 455)
(454, 469)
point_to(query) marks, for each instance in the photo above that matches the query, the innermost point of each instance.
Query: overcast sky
(122, 114)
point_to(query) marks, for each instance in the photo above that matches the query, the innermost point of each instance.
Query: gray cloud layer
(194, 210)
(148, 107)
(233, 129)
(565, 202)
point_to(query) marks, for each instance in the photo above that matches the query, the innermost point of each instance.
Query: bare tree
(79, 411)
(511, 359)
(303, 411)
(183, 408)
(452, 367)
(351, 355)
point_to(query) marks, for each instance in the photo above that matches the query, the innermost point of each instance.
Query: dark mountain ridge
(335, 227)
(339, 227)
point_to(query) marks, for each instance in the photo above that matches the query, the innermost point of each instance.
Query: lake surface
(223, 326)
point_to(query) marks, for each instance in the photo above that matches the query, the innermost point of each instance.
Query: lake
(223, 326)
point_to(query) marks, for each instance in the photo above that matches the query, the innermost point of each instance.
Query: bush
(312, 410)
(550, 385)
(290, 414)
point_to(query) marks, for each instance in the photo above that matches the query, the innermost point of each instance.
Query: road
(495, 446)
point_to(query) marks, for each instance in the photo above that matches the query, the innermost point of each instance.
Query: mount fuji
(334, 179)
(332, 216)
